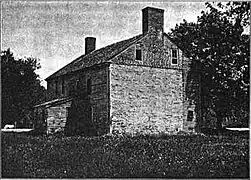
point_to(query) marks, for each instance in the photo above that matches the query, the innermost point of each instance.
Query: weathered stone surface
(76, 86)
(56, 117)
(158, 56)
(145, 100)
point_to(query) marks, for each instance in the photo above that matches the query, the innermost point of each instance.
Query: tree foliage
(21, 89)
(218, 43)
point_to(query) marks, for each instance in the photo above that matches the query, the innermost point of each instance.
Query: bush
(173, 156)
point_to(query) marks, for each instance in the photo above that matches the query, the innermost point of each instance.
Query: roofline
(154, 8)
(53, 102)
(69, 64)
(79, 58)
(176, 44)
(115, 55)
(143, 35)
(72, 72)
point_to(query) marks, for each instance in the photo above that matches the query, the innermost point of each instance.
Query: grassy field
(190, 156)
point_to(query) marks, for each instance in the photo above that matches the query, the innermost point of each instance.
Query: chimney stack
(90, 44)
(153, 20)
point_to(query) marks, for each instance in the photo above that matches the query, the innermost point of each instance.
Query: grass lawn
(190, 156)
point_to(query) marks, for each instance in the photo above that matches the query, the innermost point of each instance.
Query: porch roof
(54, 102)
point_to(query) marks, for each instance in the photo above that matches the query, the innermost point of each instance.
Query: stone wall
(76, 87)
(158, 56)
(55, 87)
(56, 117)
(99, 98)
(145, 100)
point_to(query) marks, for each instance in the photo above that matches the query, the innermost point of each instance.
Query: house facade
(142, 85)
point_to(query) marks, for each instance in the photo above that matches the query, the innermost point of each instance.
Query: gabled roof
(98, 56)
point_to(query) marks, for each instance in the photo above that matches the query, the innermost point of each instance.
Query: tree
(21, 89)
(218, 44)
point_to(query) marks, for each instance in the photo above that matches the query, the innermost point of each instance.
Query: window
(174, 56)
(63, 85)
(44, 117)
(89, 88)
(190, 116)
(138, 52)
(78, 84)
(56, 87)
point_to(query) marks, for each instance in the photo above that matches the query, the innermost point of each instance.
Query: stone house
(139, 85)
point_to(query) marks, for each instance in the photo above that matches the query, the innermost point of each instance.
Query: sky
(54, 31)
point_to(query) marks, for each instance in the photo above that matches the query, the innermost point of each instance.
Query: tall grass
(113, 156)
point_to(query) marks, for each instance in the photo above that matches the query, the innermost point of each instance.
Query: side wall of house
(75, 86)
(146, 100)
(99, 97)
(160, 55)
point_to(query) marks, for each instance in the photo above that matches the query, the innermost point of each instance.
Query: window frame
(56, 87)
(78, 84)
(63, 85)
(174, 58)
(138, 49)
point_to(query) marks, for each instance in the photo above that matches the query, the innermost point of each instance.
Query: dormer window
(138, 52)
(174, 56)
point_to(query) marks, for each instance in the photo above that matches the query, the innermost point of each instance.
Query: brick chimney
(90, 44)
(153, 20)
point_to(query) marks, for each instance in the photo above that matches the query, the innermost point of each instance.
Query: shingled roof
(98, 56)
